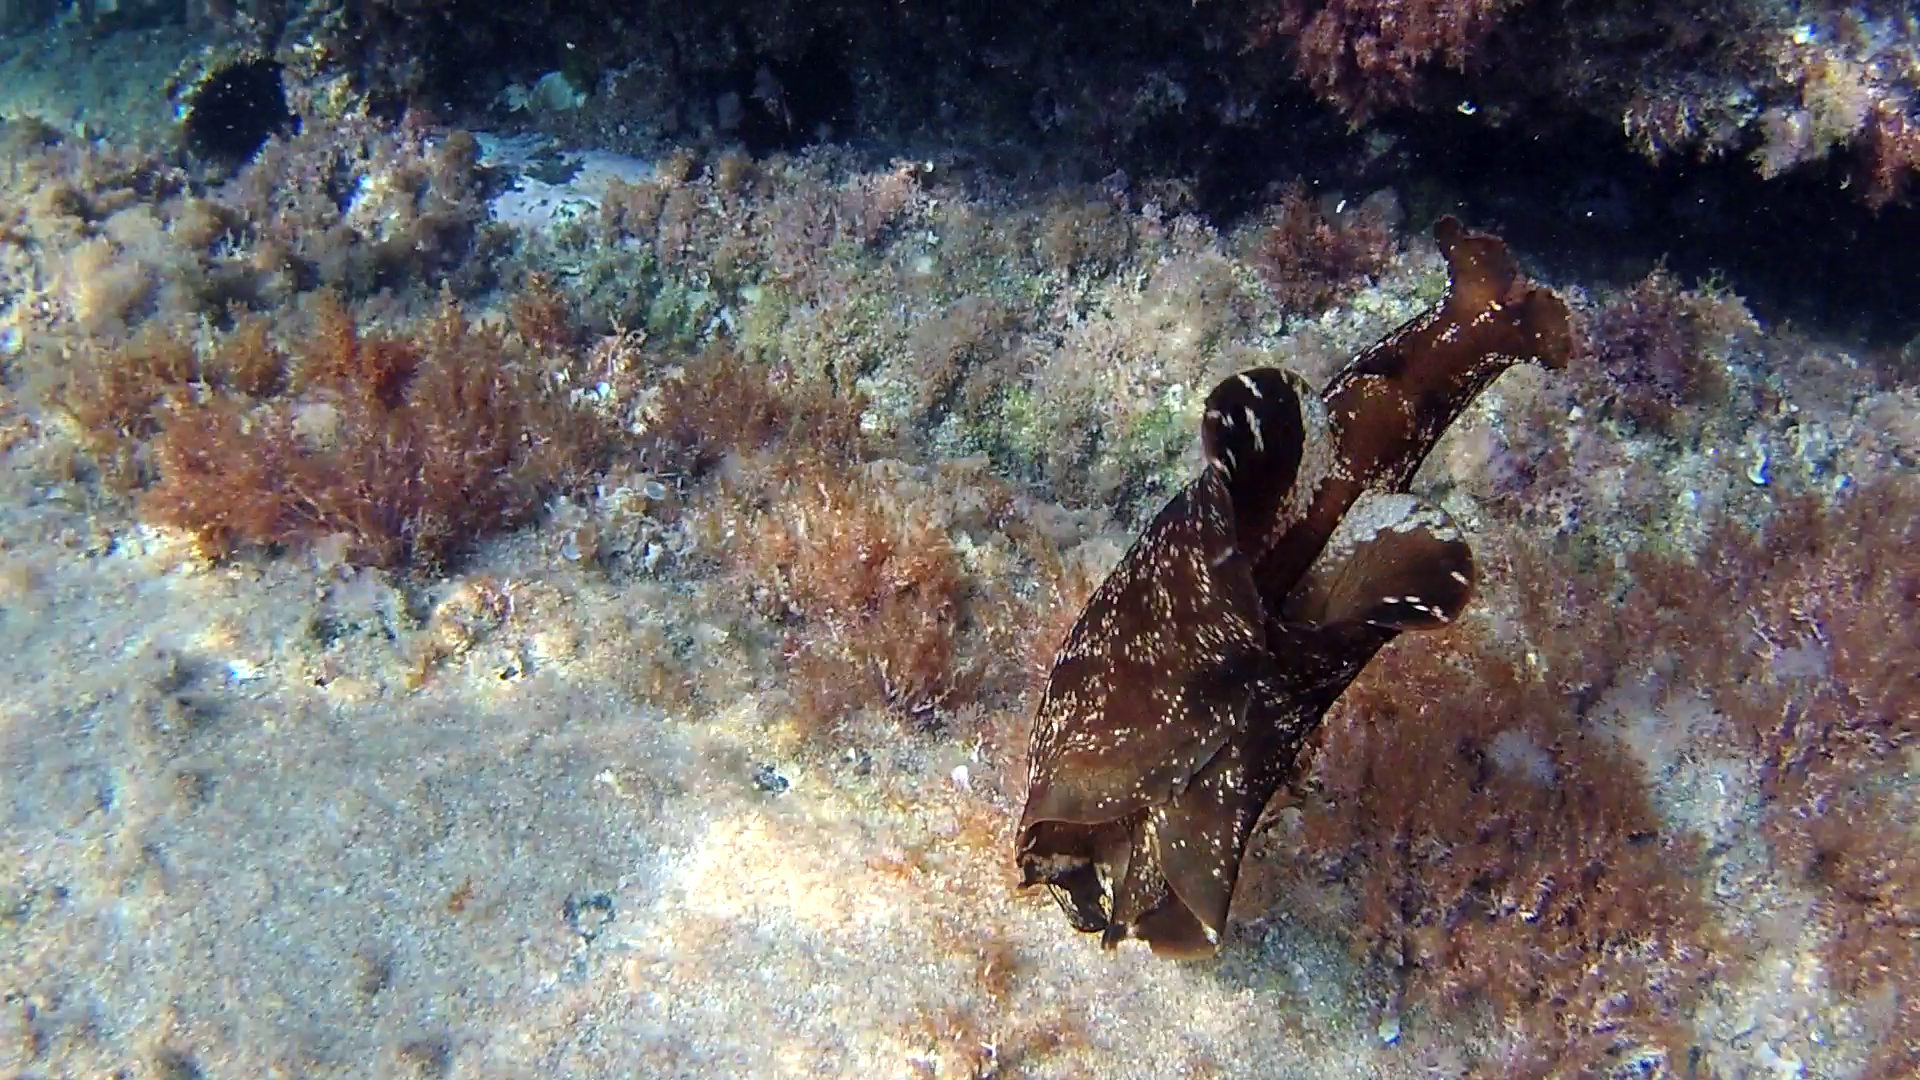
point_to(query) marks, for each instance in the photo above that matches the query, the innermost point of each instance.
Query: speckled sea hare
(1180, 700)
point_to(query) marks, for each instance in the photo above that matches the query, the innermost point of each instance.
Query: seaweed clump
(1499, 855)
(861, 581)
(872, 594)
(408, 449)
(1367, 57)
(1311, 260)
(1659, 349)
(395, 449)
(1807, 659)
(1480, 808)
(869, 577)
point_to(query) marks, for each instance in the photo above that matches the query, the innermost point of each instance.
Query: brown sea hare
(1180, 700)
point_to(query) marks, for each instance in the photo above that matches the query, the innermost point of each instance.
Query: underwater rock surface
(562, 582)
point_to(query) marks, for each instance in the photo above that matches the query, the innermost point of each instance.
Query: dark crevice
(234, 110)
(1799, 248)
(1052, 92)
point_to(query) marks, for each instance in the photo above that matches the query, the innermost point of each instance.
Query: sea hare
(1179, 701)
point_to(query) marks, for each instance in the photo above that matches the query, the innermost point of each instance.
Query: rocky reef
(534, 538)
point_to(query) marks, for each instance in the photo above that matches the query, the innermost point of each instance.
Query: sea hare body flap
(1179, 702)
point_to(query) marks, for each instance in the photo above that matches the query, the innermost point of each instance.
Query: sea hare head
(1180, 699)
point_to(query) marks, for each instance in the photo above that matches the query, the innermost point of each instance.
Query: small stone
(769, 780)
(588, 915)
(1757, 473)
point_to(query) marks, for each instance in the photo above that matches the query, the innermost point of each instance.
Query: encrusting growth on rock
(1182, 696)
